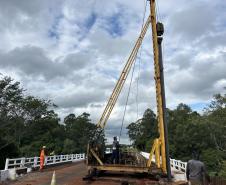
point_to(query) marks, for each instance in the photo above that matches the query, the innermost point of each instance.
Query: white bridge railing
(175, 164)
(33, 162)
(178, 165)
(178, 168)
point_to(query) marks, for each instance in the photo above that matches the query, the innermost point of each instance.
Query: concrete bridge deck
(67, 174)
(72, 174)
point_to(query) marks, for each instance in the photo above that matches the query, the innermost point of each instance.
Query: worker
(115, 151)
(42, 158)
(196, 171)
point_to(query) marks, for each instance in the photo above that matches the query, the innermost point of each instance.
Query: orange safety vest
(42, 154)
(42, 159)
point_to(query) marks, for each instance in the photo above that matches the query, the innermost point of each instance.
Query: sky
(72, 52)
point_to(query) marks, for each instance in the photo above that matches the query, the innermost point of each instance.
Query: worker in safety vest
(196, 172)
(42, 157)
(115, 151)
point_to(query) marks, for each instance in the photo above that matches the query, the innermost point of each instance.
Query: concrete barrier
(4, 174)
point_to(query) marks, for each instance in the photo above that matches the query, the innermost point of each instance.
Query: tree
(26, 122)
(182, 123)
(10, 123)
(143, 132)
(215, 116)
(188, 132)
(80, 131)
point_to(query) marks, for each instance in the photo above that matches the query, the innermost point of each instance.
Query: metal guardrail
(34, 162)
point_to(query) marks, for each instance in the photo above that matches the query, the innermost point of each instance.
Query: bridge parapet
(175, 164)
(33, 162)
(29, 163)
(178, 165)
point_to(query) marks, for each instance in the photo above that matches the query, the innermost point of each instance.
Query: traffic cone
(53, 181)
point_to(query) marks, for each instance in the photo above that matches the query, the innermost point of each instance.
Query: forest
(27, 123)
(188, 132)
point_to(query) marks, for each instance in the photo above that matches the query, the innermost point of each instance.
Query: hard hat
(44, 147)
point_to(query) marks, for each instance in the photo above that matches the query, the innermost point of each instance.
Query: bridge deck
(68, 174)
(72, 174)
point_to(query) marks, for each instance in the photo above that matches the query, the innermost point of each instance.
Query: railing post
(6, 164)
(46, 160)
(172, 163)
(22, 163)
(185, 166)
(35, 162)
(54, 159)
(180, 164)
(60, 158)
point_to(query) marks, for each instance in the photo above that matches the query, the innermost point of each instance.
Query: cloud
(77, 60)
(80, 98)
(73, 52)
(33, 61)
(194, 21)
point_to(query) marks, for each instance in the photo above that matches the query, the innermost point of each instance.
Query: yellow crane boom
(118, 87)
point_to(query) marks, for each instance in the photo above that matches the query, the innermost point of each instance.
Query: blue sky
(73, 52)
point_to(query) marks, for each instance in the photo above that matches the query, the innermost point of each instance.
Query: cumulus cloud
(72, 53)
(33, 61)
(81, 98)
(194, 21)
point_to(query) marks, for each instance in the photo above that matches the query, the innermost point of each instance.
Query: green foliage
(223, 169)
(79, 130)
(27, 123)
(213, 159)
(144, 131)
(69, 146)
(189, 131)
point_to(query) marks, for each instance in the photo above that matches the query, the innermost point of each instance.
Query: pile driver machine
(96, 158)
